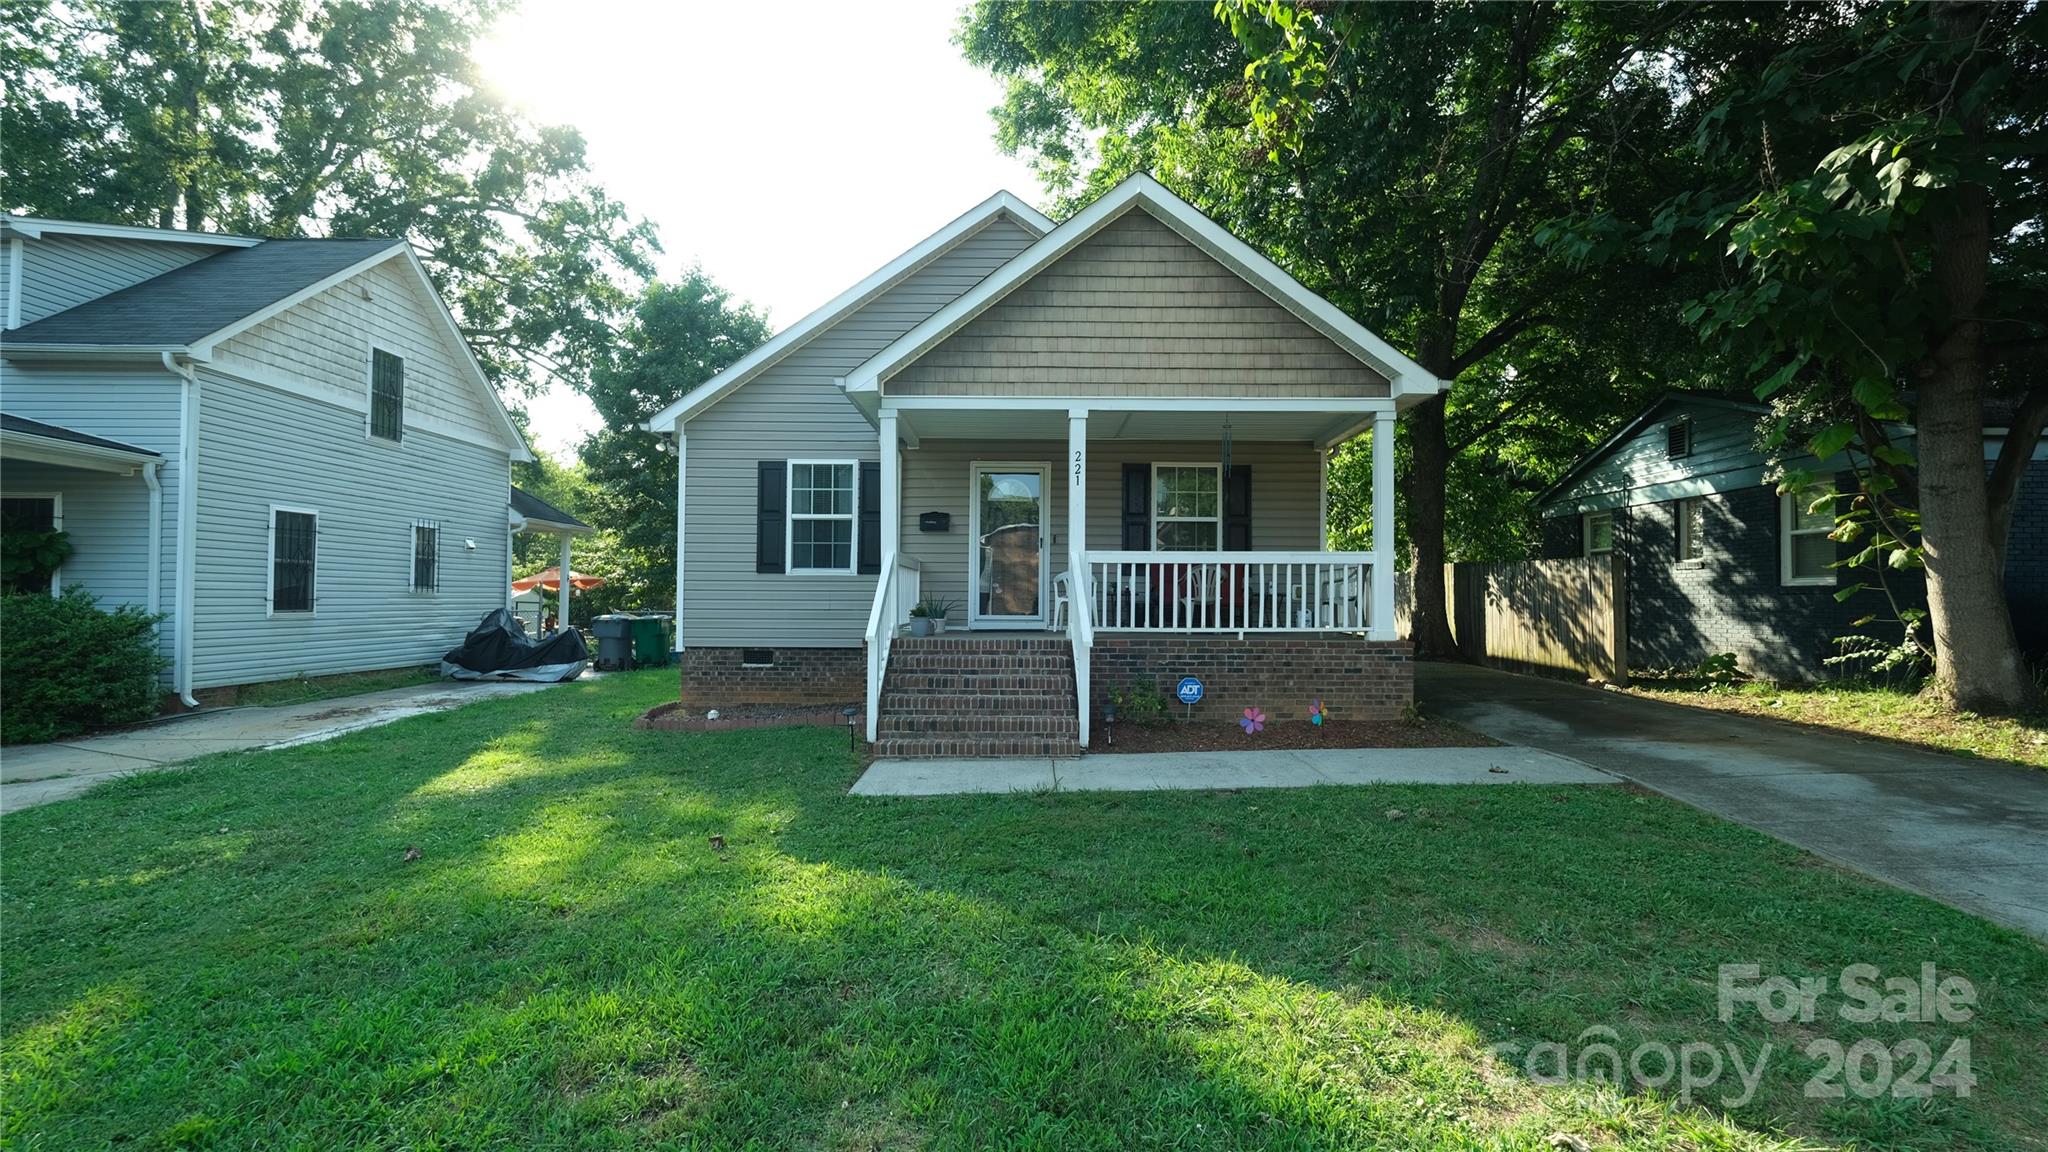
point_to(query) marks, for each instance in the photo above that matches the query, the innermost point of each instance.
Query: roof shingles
(190, 303)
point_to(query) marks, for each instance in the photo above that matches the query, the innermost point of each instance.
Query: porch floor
(1274, 768)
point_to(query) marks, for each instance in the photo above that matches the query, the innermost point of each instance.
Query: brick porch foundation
(724, 677)
(1280, 674)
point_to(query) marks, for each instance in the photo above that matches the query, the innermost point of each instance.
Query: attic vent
(1678, 439)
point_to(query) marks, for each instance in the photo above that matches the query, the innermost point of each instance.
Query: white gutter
(188, 523)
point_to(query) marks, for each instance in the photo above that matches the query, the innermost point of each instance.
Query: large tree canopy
(1874, 225)
(286, 118)
(1407, 181)
(679, 336)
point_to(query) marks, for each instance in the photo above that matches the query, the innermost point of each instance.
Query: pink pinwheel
(1254, 721)
(1315, 713)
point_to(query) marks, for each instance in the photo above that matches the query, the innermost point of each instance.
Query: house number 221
(1077, 468)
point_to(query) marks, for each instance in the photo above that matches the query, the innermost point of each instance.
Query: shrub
(68, 667)
(1140, 703)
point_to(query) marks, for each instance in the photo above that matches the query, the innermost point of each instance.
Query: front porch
(1154, 537)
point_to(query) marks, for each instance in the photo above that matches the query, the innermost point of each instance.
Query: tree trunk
(1977, 658)
(1429, 621)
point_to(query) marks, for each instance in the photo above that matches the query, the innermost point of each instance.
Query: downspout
(156, 534)
(188, 523)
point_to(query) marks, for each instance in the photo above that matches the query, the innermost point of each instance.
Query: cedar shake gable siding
(1136, 310)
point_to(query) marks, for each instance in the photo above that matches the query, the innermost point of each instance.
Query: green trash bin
(651, 641)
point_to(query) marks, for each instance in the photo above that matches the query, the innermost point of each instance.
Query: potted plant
(920, 619)
(938, 608)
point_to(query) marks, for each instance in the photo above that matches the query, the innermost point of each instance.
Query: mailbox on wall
(935, 522)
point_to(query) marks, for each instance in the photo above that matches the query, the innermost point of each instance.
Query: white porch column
(892, 491)
(1077, 491)
(1382, 627)
(682, 487)
(1078, 600)
(562, 602)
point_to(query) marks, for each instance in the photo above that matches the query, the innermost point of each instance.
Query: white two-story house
(285, 447)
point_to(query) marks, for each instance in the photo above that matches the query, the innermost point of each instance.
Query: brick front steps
(979, 695)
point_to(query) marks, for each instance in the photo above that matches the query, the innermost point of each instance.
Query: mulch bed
(1189, 736)
(673, 717)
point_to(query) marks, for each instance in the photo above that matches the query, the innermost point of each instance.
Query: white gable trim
(35, 228)
(839, 307)
(202, 349)
(1405, 376)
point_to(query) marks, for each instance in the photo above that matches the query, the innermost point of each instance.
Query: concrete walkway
(1268, 768)
(1970, 833)
(39, 773)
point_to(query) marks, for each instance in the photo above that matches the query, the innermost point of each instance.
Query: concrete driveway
(39, 773)
(1973, 834)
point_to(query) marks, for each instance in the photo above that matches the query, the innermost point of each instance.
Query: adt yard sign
(1189, 691)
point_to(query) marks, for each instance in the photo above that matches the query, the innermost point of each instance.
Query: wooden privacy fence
(1551, 615)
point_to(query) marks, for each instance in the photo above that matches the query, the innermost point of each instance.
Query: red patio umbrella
(550, 580)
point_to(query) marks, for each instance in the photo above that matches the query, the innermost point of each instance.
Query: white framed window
(823, 507)
(1598, 529)
(387, 395)
(35, 512)
(1692, 528)
(294, 559)
(1187, 507)
(1805, 517)
(426, 556)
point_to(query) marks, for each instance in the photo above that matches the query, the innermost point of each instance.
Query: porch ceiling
(1051, 424)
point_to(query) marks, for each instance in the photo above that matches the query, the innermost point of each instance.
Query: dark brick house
(1719, 561)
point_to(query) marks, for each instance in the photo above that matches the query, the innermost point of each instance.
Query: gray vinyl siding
(108, 514)
(1136, 310)
(795, 410)
(60, 272)
(1286, 505)
(259, 447)
(106, 518)
(324, 343)
(1637, 471)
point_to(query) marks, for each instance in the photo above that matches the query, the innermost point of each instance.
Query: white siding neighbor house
(285, 447)
(1096, 449)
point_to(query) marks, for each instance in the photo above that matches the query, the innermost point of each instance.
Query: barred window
(387, 395)
(426, 556)
(294, 547)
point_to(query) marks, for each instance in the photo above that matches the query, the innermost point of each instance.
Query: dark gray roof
(534, 508)
(201, 298)
(21, 424)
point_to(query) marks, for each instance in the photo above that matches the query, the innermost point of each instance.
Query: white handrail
(1230, 591)
(889, 606)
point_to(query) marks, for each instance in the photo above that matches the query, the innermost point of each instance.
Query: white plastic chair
(1059, 603)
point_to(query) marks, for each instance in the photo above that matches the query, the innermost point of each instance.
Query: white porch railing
(896, 593)
(1229, 591)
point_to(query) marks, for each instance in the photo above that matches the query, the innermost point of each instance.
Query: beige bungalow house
(1101, 445)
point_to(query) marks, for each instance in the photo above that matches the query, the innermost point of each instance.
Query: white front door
(1006, 545)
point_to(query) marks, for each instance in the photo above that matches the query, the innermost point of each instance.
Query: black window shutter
(1237, 510)
(769, 536)
(1137, 507)
(870, 517)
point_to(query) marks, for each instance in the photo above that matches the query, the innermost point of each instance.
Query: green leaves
(275, 118)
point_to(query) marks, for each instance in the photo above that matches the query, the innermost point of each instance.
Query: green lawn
(1892, 713)
(240, 956)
